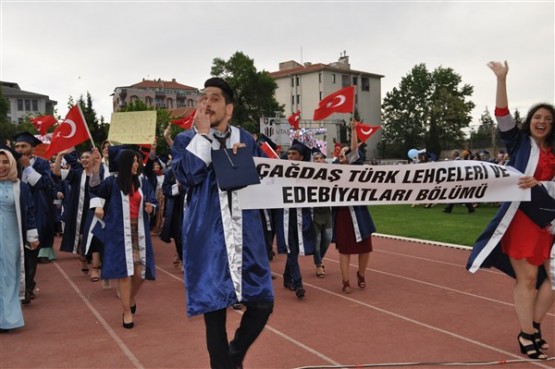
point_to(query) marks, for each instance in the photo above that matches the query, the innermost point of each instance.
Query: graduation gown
(18, 224)
(224, 253)
(174, 196)
(76, 208)
(117, 261)
(305, 231)
(39, 177)
(363, 224)
(524, 155)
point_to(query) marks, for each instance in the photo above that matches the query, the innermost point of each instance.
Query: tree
(486, 131)
(254, 91)
(428, 110)
(99, 132)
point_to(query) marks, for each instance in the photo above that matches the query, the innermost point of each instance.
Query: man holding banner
(224, 254)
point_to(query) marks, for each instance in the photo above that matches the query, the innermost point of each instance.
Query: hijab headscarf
(12, 174)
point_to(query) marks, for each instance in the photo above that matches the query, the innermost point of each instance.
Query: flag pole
(86, 125)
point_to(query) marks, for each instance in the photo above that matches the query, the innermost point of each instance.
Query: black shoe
(2, 330)
(448, 211)
(299, 292)
(127, 325)
(471, 210)
(538, 337)
(288, 285)
(237, 306)
(134, 308)
(531, 350)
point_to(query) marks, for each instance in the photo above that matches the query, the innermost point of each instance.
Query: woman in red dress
(525, 244)
(352, 226)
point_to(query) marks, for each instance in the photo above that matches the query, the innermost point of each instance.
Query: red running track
(420, 306)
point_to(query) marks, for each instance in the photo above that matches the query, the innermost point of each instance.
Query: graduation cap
(301, 148)
(14, 153)
(234, 171)
(26, 137)
(220, 83)
(317, 151)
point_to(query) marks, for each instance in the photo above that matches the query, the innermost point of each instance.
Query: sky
(66, 48)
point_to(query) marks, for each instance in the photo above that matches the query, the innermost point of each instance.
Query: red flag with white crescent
(365, 131)
(185, 122)
(341, 101)
(71, 132)
(43, 122)
(270, 153)
(294, 119)
(336, 150)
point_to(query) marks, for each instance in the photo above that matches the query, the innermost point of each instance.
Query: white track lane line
(425, 325)
(272, 329)
(126, 350)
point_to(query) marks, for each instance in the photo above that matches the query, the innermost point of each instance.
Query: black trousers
(31, 258)
(224, 355)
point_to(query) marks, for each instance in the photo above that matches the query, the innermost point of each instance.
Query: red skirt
(524, 239)
(345, 239)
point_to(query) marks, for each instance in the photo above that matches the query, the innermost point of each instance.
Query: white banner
(293, 184)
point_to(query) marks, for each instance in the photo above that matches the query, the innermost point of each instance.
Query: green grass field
(459, 227)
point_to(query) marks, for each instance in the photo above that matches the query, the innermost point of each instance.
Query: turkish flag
(43, 122)
(71, 132)
(294, 119)
(336, 150)
(365, 131)
(269, 151)
(145, 150)
(341, 101)
(185, 122)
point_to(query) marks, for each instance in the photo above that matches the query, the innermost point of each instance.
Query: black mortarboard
(302, 148)
(263, 138)
(26, 137)
(221, 83)
(234, 171)
(14, 153)
(317, 151)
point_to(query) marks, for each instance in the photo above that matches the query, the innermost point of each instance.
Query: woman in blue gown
(17, 227)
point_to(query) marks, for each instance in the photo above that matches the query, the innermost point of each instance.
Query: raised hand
(499, 69)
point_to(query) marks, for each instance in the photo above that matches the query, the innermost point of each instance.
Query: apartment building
(25, 103)
(156, 93)
(302, 86)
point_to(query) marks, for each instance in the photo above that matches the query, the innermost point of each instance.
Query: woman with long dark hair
(128, 255)
(513, 242)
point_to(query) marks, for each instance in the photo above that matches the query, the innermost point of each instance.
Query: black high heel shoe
(531, 350)
(134, 308)
(538, 337)
(127, 325)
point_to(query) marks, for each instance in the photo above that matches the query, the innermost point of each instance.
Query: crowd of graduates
(120, 192)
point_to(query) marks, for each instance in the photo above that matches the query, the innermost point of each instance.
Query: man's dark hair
(223, 85)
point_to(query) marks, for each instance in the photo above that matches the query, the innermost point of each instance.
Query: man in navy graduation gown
(224, 253)
(37, 174)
